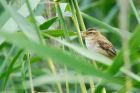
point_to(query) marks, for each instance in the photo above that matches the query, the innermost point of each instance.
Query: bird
(97, 42)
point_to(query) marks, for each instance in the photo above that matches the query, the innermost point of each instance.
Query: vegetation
(42, 50)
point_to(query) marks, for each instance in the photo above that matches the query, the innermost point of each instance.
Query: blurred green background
(42, 51)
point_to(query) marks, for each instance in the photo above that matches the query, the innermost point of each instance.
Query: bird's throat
(89, 44)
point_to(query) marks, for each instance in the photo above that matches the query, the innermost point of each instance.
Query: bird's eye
(95, 33)
(90, 33)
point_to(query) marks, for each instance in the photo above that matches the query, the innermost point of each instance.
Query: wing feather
(107, 46)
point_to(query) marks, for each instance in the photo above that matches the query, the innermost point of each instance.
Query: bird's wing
(107, 46)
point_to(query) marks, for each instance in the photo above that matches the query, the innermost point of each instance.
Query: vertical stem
(79, 15)
(124, 5)
(30, 73)
(74, 18)
(63, 25)
(52, 67)
(78, 31)
(67, 83)
(103, 90)
(23, 75)
(62, 21)
(75, 21)
(73, 3)
(92, 87)
(82, 85)
(75, 87)
(34, 21)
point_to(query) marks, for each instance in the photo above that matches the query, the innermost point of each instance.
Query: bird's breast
(94, 46)
(91, 45)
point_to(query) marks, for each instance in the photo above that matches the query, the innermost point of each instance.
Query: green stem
(98, 22)
(79, 15)
(67, 83)
(34, 21)
(62, 21)
(104, 25)
(66, 35)
(135, 11)
(74, 18)
(23, 76)
(53, 69)
(30, 73)
(123, 23)
(75, 21)
(78, 31)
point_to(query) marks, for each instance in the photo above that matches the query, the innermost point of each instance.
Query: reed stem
(79, 16)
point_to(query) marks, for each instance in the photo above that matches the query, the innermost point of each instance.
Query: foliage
(42, 49)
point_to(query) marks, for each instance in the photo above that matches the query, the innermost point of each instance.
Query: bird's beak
(83, 34)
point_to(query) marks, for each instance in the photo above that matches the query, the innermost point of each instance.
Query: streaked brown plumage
(94, 39)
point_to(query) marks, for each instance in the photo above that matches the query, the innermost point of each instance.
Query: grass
(52, 56)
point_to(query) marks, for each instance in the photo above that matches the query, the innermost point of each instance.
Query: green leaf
(58, 32)
(59, 56)
(134, 43)
(117, 64)
(135, 39)
(48, 23)
(10, 67)
(68, 8)
(64, 7)
(84, 52)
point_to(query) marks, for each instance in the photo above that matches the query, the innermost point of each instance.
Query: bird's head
(91, 33)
